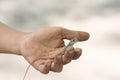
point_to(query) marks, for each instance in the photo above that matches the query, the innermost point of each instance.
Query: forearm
(9, 39)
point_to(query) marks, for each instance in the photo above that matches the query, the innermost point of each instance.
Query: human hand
(42, 49)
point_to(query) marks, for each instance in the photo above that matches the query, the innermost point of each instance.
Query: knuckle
(66, 61)
(59, 69)
(45, 72)
(60, 29)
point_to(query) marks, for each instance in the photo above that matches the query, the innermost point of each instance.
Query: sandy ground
(101, 53)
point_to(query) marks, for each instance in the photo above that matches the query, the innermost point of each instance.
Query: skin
(42, 48)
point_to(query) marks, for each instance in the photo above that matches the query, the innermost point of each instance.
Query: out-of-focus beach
(100, 59)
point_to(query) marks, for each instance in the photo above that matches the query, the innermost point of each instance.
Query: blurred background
(101, 53)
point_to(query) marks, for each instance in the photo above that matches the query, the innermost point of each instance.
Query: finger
(78, 53)
(69, 34)
(57, 64)
(68, 56)
(43, 66)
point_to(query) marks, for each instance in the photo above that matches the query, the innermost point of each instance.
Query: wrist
(18, 38)
(10, 40)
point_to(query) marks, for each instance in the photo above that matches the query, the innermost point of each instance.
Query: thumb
(70, 34)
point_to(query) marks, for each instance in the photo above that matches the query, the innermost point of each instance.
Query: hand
(42, 49)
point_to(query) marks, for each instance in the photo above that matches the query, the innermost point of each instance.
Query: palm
(37, 46)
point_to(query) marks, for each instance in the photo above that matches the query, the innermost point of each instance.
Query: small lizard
(71, 43)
